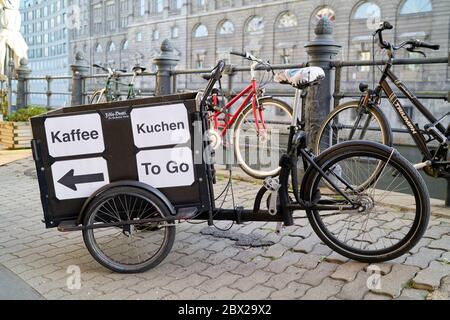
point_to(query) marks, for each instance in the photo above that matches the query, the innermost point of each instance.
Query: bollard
(79, 70)
(321, 52)
(165, 62)
(23, 72)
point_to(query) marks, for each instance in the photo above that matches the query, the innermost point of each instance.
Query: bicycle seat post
(297, 107)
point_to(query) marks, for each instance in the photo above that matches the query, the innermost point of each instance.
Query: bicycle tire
(257, 174)
(349, 149)
(92, 243)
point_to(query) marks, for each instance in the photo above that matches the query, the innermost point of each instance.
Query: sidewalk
(206, 264)
(7, 156)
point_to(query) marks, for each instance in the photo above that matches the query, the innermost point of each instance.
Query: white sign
(165, 168)
(160, 126)
(74, 135)
(80, 178)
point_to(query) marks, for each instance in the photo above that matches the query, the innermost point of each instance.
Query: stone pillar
(23, 72)
(165, 63)
(321, 51)
(79, 70)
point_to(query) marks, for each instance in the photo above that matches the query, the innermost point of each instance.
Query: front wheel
(258, 151)
(350, 121)
(387, 217)
(128, 248)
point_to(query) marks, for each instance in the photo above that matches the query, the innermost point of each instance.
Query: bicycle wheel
(391, 215)
(133, 247)
(258, 152)
(351, 122)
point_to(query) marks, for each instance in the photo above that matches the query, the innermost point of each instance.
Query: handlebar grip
(122, 70)
(240, 54)
(387, 26)
(431, 46)
(97, 66)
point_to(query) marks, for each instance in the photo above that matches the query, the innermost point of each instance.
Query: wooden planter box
(15, 135)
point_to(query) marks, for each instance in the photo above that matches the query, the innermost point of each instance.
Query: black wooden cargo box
(156, 142)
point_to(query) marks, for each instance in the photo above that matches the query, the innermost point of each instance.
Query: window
(286, 55)
(255, 25)
(287, 20)
(326, 12)
(178, 4)
(155, 34)
(174, 32)
(364, 55)
(157, 6)
(200, 31)
(112, 47)
(125, 45)
(414, 67)
(139, 37)
(200, 61)
(416, 6)
(142, 7)
(227, 27)
(367, 10)
(98, 48)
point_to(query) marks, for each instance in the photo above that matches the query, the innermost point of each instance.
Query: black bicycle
(364, 119)
(362, 216)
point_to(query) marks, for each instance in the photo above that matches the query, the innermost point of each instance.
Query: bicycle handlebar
(412, 43)
(240, 54)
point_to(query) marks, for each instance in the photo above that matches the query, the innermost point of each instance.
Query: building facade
(45, 31)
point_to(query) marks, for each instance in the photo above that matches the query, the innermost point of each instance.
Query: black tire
(259, 174)
(352, 106)
(160, 209)
(352, 149)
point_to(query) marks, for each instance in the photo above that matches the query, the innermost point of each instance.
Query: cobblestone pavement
(204, 266)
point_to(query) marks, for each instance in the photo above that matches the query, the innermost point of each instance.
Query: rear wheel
(392, 212)
(98, 97)
(258, 152)
(128, 248)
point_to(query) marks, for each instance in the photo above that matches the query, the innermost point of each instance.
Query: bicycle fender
(126, 183)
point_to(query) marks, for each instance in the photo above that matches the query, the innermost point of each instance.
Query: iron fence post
(23, 72)
(79, 70)
(48, 93)
(165, 63)
(321, 52)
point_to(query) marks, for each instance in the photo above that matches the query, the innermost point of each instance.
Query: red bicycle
(261, 124)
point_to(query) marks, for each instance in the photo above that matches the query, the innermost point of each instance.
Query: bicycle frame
(229, 120)
(413, 129)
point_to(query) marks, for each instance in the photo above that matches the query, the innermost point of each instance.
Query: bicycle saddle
(300, 78)
(139, 69)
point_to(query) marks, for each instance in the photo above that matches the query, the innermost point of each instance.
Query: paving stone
(194, 280)
(308, 261)
(443, 292)
(374, 296)
(215, 271)
(393, 282)
(356, 289)
(275, 252)
(224, 293)
(221, 281)
(436, 232)
(423, 257)
(279, 265)
(413, 294)
(258, 292)
(281, 280)
(306, 245)
(348, 271)
(246, 269)
(154, 294)
(293, 290)
(442, 244)
(430, 278)
(246, 283)
(187, 294)
(314, 277)
(335, 257)
(328, 288)
(383, 268)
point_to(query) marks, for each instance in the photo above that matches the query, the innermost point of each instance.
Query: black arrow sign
(70, 180)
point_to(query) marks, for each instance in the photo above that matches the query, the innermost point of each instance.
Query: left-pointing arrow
(70, 180)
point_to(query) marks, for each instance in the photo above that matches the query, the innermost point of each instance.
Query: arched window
(111, 47)
(125, 45)
(255, 25)
(325, 12)
(98, 48)
(201, 31)
(416, 6)
(367, 10)
(287, 20)
(227, 27)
